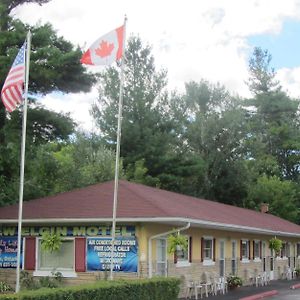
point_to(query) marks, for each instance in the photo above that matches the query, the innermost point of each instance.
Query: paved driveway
(282, 286)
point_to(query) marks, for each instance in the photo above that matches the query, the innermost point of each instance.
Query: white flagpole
(113, 230)
(21, 188)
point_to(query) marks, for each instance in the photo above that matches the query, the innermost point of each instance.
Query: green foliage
(154, 289)
(262, 76)
(281, 195)
(138, 173)
(234, 281)
(4, 287)
(27, 281)
(177, 240)
(55, 67)
(51, 242)
(203, 142)
(297, 272)
(146, 124)
(275, 245)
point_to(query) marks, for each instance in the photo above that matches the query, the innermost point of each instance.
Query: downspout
(188, 225)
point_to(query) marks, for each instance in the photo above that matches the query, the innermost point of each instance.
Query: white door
(222, 258)
(233, 257)
(161, 257)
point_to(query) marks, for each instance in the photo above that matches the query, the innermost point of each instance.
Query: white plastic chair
(265, 278)
(208, 285)
(189, 286)
(198, 286)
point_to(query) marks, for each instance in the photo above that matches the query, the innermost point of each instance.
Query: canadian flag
(106, 49)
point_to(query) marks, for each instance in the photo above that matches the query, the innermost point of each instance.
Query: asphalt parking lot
(282, 286)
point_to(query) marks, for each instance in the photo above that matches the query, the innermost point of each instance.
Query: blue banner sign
(96, 230)
(8, 252)
(125, 254)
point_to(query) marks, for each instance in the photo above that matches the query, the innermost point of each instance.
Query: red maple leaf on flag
(104, 49)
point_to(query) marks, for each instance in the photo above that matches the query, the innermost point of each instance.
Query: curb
(295, 286)
(261, 295)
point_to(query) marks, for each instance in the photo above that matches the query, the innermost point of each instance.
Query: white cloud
(191, 39)
(290, 79)
(78, 105)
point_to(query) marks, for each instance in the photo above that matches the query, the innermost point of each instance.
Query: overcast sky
(192, 39)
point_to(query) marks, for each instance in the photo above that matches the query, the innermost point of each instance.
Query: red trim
(241, 252)
(80, 254)
(29, 255)
(261, 295)
(190, 249)
(201, 246)
(249, 250)
(214, 249)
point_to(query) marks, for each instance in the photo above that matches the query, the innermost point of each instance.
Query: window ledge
(182, 264)
(66, 274)
(208, 262)
(256, 259)
(281, 258)
(245, 260)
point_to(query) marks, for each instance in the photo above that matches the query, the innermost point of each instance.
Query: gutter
(188, 225)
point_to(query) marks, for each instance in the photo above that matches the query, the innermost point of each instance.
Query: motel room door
(222, 258)
(161, 257)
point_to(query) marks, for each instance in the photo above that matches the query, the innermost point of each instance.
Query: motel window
(63, 259)
(284, 250)
(207, 248)
(182, 255)
(256, 249)
(245, 247)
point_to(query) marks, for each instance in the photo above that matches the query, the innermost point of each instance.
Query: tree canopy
(202, 141)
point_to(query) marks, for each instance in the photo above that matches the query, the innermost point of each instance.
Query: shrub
(4, 287)
(234, 281)
(27, 281)
(143, 289)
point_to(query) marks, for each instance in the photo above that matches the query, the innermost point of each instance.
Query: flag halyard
(12, 90)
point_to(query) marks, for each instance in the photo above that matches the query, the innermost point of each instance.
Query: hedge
(142, 289)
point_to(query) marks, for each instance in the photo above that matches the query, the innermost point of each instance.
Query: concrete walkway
(282, 288)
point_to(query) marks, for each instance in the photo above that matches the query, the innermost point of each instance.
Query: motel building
(222, 239)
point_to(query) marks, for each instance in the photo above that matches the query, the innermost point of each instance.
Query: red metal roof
(140, 201)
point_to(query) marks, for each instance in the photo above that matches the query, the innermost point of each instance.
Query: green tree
(54, 67)
(262, 76)
(216, 133)
(281, 195)
(274, 121)
(146, 126)
(59, 167)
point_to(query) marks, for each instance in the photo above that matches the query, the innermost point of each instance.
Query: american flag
(12, 90)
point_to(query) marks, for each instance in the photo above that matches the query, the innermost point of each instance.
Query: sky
(192, 39)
